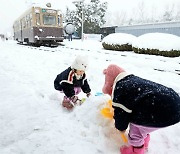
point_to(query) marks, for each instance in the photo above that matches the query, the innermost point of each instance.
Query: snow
(158, 41)
(119, 38)
(32, 119)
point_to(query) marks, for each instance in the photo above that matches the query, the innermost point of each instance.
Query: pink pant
(138, 133)
(77, 90)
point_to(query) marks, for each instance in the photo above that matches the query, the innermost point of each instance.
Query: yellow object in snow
(124, 138)
(83, 100)
(108, 112)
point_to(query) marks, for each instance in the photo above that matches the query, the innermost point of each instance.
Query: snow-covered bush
(118, 41)
(163, 44)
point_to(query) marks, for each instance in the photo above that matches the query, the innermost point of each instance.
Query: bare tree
(169, 13)
(116, 18)
(109, 20)
(141, 12)
(153, 14)
(120, 18)
(177, 15)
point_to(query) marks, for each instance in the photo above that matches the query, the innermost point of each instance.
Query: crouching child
(143, 105)
(72, 80)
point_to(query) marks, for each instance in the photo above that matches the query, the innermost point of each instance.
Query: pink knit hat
(110, 74)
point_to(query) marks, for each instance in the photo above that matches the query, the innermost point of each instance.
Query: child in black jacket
(143, 105)
(72, 80)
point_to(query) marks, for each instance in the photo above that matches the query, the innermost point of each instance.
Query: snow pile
(119, 39)
(161, 41)
(94, 125)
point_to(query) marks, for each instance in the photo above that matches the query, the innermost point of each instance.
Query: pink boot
(146, 141)
(67, 103)
(132, 150)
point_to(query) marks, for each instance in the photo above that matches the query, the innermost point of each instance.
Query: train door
(38, 20)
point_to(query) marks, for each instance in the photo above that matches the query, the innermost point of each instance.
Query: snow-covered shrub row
(151, 43)
(118, 41)
(167, 45)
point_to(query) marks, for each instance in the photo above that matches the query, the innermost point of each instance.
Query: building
(107, 30)
(137, 30)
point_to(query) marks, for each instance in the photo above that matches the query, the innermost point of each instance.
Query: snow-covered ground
(32, 119)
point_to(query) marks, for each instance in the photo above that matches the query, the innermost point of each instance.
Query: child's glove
(88, 94)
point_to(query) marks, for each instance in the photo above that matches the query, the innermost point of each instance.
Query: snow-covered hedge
(118, 41)
(157, 44)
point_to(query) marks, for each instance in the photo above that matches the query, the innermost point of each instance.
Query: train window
(49, 20)
(19, 24)
(27, 20)
(59, 20)
(30, 20)
(38, 19)
(24, 22)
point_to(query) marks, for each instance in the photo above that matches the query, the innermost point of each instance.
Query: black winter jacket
(66, 81)
(143, 102)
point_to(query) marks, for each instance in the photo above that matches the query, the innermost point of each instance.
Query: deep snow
(32, 119)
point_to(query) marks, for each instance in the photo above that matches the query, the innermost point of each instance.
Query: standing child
(142, 104)
(72, 80)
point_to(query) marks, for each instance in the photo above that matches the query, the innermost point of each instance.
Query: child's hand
(88, 94)
(123, 131)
